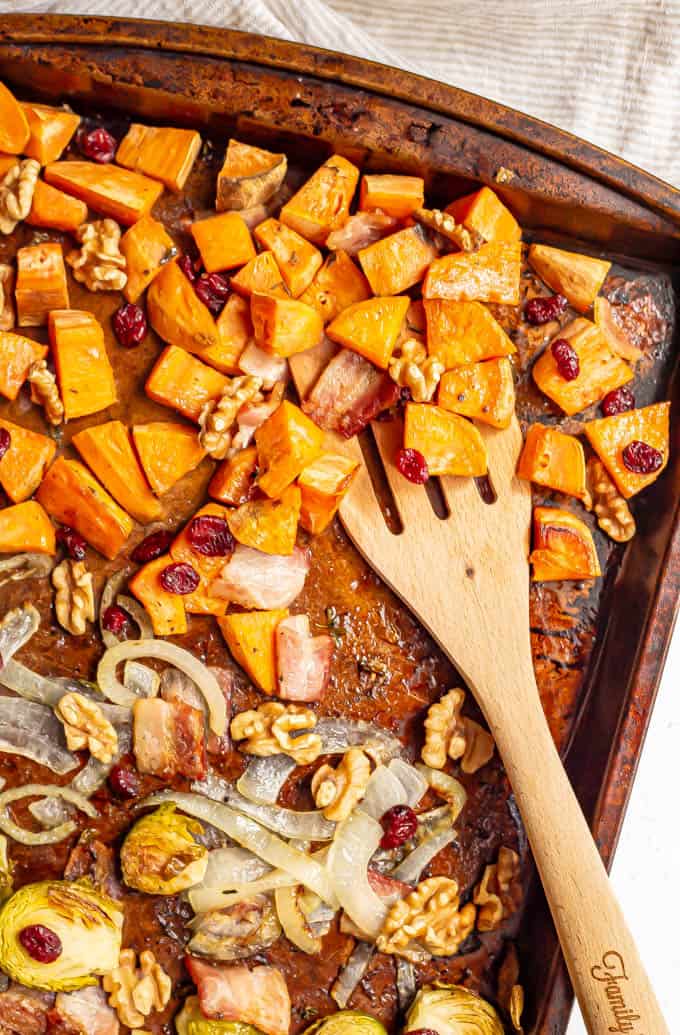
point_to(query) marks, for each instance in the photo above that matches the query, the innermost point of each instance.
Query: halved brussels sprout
(58, 935)
(346, 1022)
(452, 1010)
(161, 854)
(239, 931)
(190, 1021)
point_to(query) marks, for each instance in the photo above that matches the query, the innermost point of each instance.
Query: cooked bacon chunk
(234, 993)
(349, 393)
(85, 1012)
(261, 580)
(95, 860)
(303, 660)
(360, 230)
(258, 363)
(169, 739)
(24, 1011)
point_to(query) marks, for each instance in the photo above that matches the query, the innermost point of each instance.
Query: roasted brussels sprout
(190, 1021)
(346, 1022)
(237, 932)
(452, 1010)
(58, 935)
(161, 855)
(6, 874)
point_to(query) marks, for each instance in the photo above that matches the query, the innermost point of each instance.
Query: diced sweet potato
(123, 195)
(614, 333)
(398, 196)
(7, 162)
(484, 391)
(449, 443)
(577, 277)
(322, 203)
(459, 333)
(24, 464)
(224, 241)
(261, 274)
(554, 459)
(147, 247)
(182, 382)
(207, 567)
(166, 610)
(250, 638)
(563, 547)
(26, 528)
(177, 314)
(491, 274)
(600, 369)
(41, 283)
(167, 452)
(16, 356)
(371, 328)
(107, 449)
(7, 314)
(71, 495)
(55, 210)
(234, 480)
(399, 261)
(14, 130)
(286, 443)
(268, 525)
(250, 176)
(284, 326)
(338, 284)
(323, 484)
(51, 130)
(610, 436)
(160, 152)
(235, 331)
(84, 373)
(485, 213)
(297, 259)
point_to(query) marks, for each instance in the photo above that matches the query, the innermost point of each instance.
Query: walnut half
(611, 509)
(499, 893)
(135, 992)
(86, 726)
(268, 730)
(427, 922)
(450, 734)
(99, 264)
(338, 790)
(218, 417)
(74, 596)
(412, 368)
(16, 193)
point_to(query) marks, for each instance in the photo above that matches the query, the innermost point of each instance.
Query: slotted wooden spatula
(466, 578)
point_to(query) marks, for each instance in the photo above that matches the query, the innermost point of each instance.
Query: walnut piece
(338, 790)
(504, 175)
(427, 922)
(74, 596)
(16, 193)
(450, 734)
(268, 730)
(510, 991)
(7, 314)
(499, 892)
(86, 726)
(611, 509)
(44, 391)
(412, 368)
(135, 992)
(99, 264)
(444, 223)
(218, 417)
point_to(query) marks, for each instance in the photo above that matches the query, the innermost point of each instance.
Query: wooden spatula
(466, 578)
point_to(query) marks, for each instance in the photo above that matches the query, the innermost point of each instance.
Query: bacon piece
(95, 860)
(234, 993)
(24, 1011)
(253, 414)
(349, 393)
(258, 363)
(303, 660)
(360, 230)
(169, 739)
(260, 580)
(85, 1012)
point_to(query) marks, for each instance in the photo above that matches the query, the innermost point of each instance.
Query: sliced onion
(446, 787)
(383, 791)
(406, 983)
(264, 777)
(33, 731)
(176, 686)
(36, 790)
(411, 867)
(25, 566)
(293, 921)
(229, 867)
(413, 781)
(32, 686)
(212, 786)
(16, 629)
(338, 734)
(310, 826)
(352, 973)
(356, 840)
(140, 679)
(203, 900)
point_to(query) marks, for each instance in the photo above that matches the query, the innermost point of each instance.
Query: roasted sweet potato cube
(251, 640)
(16, 356)
(485, 213)
(71, 495)
(166, 610)
(613, 331)
(207, 567)
(284, 326)
(167, 452)
(577, 277)
(84, 373)
(250, 176)
(260, 275)
(609, 437)
(398, 196)
(449, 443)
(286, 443)
(24, 464)
(399, 261)
(14, 129)
(323, 485)
(371, 328)
(177, 314)
(459, 333)
(147, 247)
(182, 382)
(555, 460)
(123, 195)
(234, 480)
(7, 162)
(160, 152)
(322, 203)
(7, 314)
(55, 210)
(338, 284)
(491, 274)
(51, 130)
(297, 259)
(268, 525)
(600, 369)
(235, 330)
(41, 283)
(484, 391)
(26, 528)
(563, 547)
(224, 241)
(107, 449)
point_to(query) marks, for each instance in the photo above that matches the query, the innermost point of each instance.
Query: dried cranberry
(188, 267)
(40, 943)
(641, 458)
(400, 824)
(72, 541)
(543, 310)
(179, 578)
(210, 535)
(152, 547)
(98, 145)
(114, 619)
(124, 780)
(566, 359)
(213, 291)
(5, 441)
(618, 401)
(412, 465)
(129, 325)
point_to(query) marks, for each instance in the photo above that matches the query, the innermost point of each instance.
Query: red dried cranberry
(542, 310)
(152, 547)
(129, 325)
(210, 535)
(40, 943)
(400, 824)
(618, 401)
(72, 541)
(114, 619)
(188, 267)
(566, 359)
(5, 441)
(98, 145)
(179, 578)
(413, 465)
(124, 780)
(213, 291)
(641, 458)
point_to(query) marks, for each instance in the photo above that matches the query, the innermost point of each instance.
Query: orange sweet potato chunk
(322, 203)
(297, 259)
(449, 443)
(284, 326)
(84, 373)
(323, 484)
(235, 331)
(555, 460)
(123, 195)
(26, 528)
(177, 314)
(107, 450)
(398, 196)
(600, 369)
(491, 274)
(338, 284)
(577, 277)
(250, 176)
(14, 130)
(207, 567)
(485, 213)
(268, 525)
(234, 480)
(286, 443)
(609, 436)
(181, 381)
(24, 464)
(167, 451)
(160, 152)
(72, 496)
(251, 639)
(399, 261)
(371, 328)
(55, 210)
(224, 241)
(563, 547)
(147, 247)
(17, 354)
(51, 130)
(166, 610)
(459, 333)
(41, 283)
(260, 275)
(484, 391)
